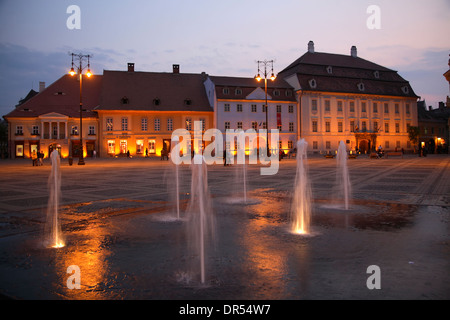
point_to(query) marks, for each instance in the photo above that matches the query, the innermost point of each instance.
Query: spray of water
(54, 238)
(301, 201)
(342, 175)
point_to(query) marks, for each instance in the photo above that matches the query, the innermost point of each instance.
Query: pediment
(53, 115)
(258, 94)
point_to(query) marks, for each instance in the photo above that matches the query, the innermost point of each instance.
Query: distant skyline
(223, 38)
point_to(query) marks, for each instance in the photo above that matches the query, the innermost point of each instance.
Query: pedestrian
(34, 158)
(146, 152)
(40, 156)
(224, 158)
(128, 153)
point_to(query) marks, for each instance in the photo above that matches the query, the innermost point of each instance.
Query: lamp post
(72, 72)
(258, 78)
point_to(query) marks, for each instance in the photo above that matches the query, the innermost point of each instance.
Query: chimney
(176, 68)
(353, 52)
(41, 86)
(311, 47)
(130, 67)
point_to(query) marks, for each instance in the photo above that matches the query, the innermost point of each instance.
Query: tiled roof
(63, 97)
(248, 85)
(152, 91)
(344, 74)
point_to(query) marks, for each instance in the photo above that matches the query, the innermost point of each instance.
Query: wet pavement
(121, 229)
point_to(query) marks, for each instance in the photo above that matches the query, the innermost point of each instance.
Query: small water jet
(301, 201)
(342, 175)
(200, 220)
(53, 228)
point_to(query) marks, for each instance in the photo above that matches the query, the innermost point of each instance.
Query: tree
(413, 135)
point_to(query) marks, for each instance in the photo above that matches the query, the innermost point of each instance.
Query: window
(91, 130)
(187, 102)
(397, 108)
(327, 106)
(290, 144)
(339, 106)
(386, 144)
(363, 107)
(226, 91)
(291, 127)
(264, 125)
(327, 126)
(35, 130)
(239, 124)
(227, 125)
(169, 124)
(291, 109)
(375, 126)
(74, 131)
(314, 126)
(157, 123)
(352, 106)
(340, 128)
(139, 146)
(386, 127)
(363, 126)
(314, 105)
(288, 93)
(188, 124)
(238, 91)
(254, 107)
(278, 109)
(264, 108)
(312, 83)
(125, 100)
(255, 125)
(397, 144)
(144, 122)
(111, 147)
(239, 108)
(375, 107)
(19, 130)
(280, 144)
(276, 93)
(352, 126)
(329, 69)
(109, 124)
(397, 127)
(124, 124)
(279, 127)
(315, 145)
(386, 108)
(327, 144)
(203, 124)
(408, 111)
(157, 101)
(151, 146)
(376, 74)
(361, 86)
(226, 107)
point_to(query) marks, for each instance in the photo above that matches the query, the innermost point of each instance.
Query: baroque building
(344, 97)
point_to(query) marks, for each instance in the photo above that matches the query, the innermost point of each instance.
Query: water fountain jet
(301, 201)
(53, 228)
(200, 220)
(342, 174)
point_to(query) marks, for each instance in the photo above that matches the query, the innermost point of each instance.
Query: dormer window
(238, 91)
(361, 86)
(187, 102)
(312, 83)
(156, 101)
(405, 89)
(226, 91)
(276, 93)
(376, 74)
(124, 100)
(330, 70)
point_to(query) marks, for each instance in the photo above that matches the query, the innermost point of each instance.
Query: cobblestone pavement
(118, 219)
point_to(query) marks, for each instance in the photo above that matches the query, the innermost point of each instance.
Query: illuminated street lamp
(258, 78)
(72, 72)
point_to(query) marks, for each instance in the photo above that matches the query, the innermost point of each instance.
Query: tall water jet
(200, 219)
(53, 228)
(177, 180)
(241, 169)
(301, 201)
(342, 175)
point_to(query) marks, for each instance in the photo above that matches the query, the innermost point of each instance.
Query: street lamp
(258, 78)
(72, 72)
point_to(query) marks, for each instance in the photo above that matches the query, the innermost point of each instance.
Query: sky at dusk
(222, 38)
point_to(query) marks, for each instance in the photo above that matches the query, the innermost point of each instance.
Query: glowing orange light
(272, 77)
(258, 77)
(72, 72)
(88, 73)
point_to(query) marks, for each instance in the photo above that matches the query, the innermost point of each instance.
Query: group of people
(37, 158)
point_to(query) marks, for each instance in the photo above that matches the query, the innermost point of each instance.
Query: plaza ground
(121, 229)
